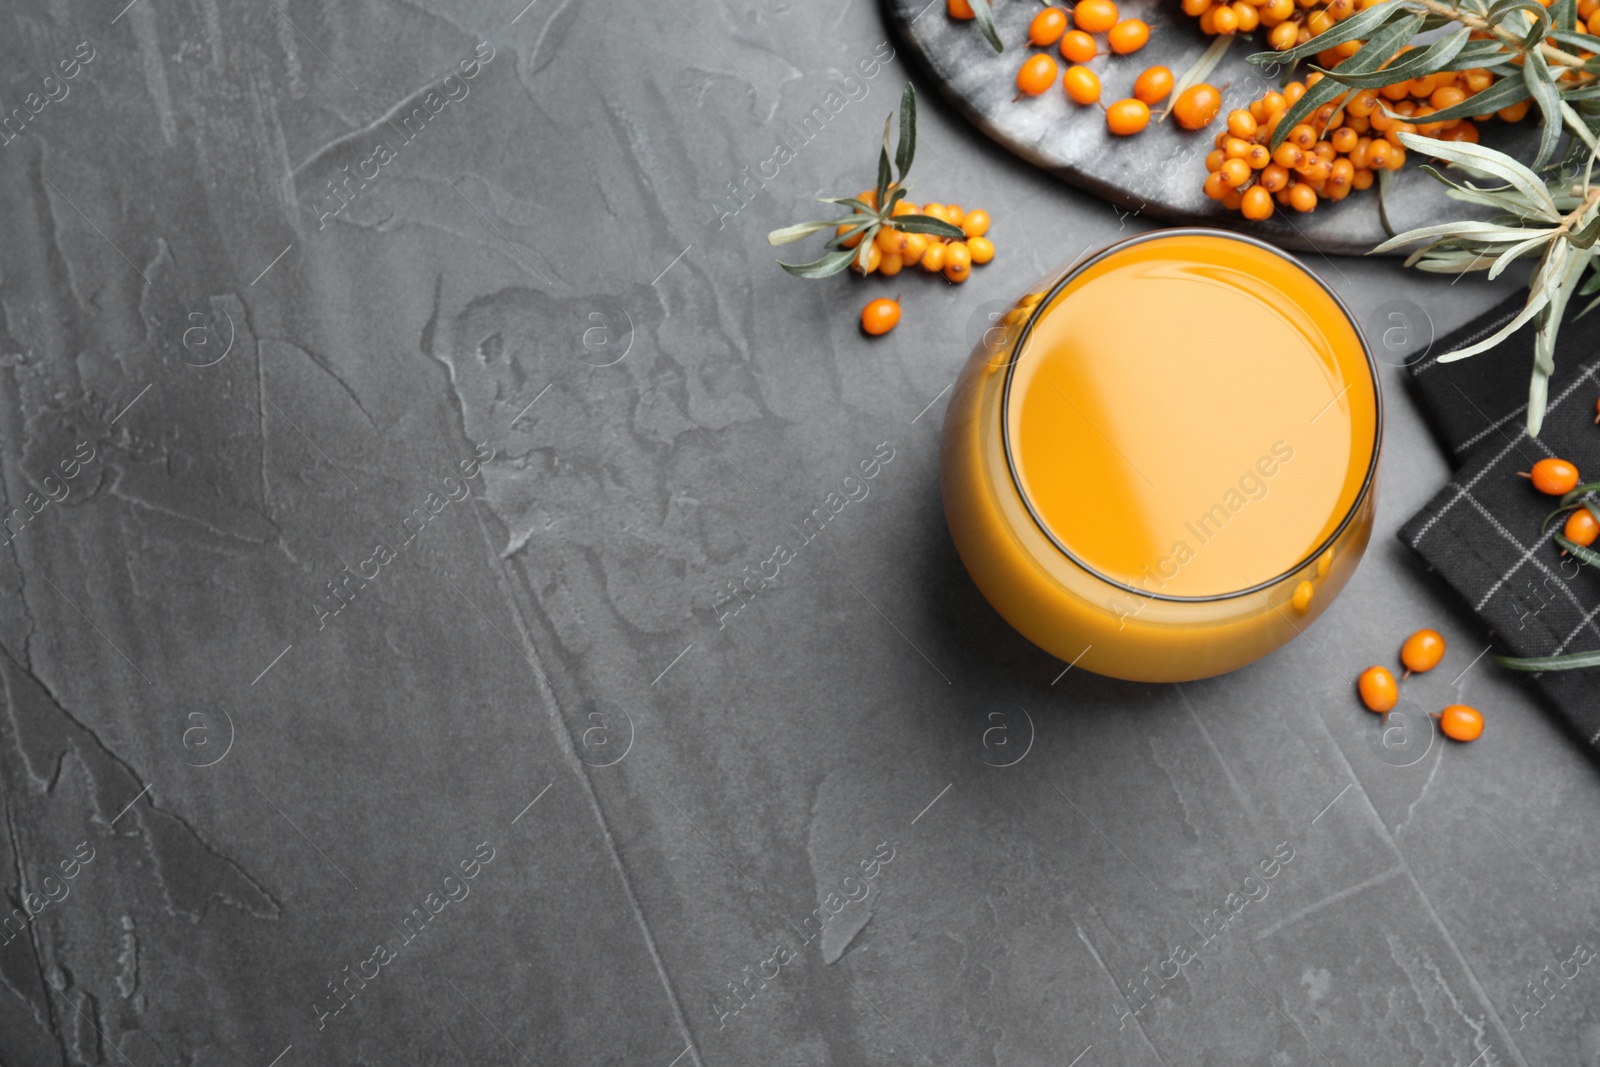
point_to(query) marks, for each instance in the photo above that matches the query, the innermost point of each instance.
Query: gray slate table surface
(252, 793)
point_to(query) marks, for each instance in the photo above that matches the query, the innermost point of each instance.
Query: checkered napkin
(1481, 531)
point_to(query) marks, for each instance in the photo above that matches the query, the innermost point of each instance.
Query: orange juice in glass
(1164, 470)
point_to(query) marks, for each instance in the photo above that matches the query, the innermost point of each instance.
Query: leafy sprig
(867, 219)
(1543, 55)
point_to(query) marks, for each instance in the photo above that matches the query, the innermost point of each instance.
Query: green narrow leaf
(1503, 93)
(1587, 556)
(864, 249)
(985, 17)
(1416, 63)
(1543, 89)
(803, 230)
(1572, 495)
(908, 130)
(1201, 68)
(927, 224)
(1353, 28)
(884, 175)
(1384, 178)
(1319, 94)
(1564, 16)
(828, 265)
(1591, 286)
(1488, 161)
(1568, 662)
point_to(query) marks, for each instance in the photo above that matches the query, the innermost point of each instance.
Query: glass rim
(1073, 272)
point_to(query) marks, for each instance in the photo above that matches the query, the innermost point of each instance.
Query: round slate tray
(1158, 172)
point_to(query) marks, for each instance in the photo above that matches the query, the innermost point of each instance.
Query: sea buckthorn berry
(1216, 159)
(1362, 104)
(1216, 187)
(1233, 200)
(1276, 11)
(1422, 651)
(1082, 85)
(1128, 36)
(1242, 124)
(1478, 79)
(1223, 21)
(933, 258)
(916, 245)
(1448, 96)
(1361, 179)
(854, 239)
(1036, 75)
(957, 256)
(1196, 106)
(1293, 92)
(1343, 139)
(1581, 528)
(1249, 18)
(1516, 112)
(1153, 85)
(1047, 27)
(1324, 563)
(1303, 136)
(1302, 197)
(880, 316)
(1397, 158)
(1460, 722)
(1302, 596)
(1555, 477)
(1378, 689)
(1324, 151)
(1235, 172)
(1235, 147)
(960, 9)
(954, 215)
(975, 223)
(1095, 16)
(1319, 22)
(891, 264)
(1258, 156)
(1256, 204)
(935, 211)
(890, 241)
(1195, 8)
(904, 207)
(1078, 47)
(1460, 131)
(1378, 154)
(1283, 36)
(1288, 156)
(1130, 116)
(1273, 178)
(981, 249)
(868, 197)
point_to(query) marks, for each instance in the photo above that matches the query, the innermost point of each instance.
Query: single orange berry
(1196, 106)
(954, 215)
(960, 9)
(1597, 412)
(1127, 117)
(1302, 197)
(975, 223)
(1257, 204)
(1078, 47)
(981, 249)
(933, 258)
(891, 264)
(1235, 172)
(1224, 21)
(1036, 75)
(1459, 722)
(1128, 36)
(1152, 87)
(1047, 27)
(1242, 124)
(1082, 84)
(1422, 651)
(1095, 16)
(1581, 528)
(880, 316)
(1378, 689)
(1555, 477)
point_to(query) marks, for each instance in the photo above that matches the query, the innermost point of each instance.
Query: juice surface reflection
(1192, 416)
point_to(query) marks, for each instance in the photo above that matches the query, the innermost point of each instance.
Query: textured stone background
(265, 801)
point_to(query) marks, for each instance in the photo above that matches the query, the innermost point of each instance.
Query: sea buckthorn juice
(1164, 470)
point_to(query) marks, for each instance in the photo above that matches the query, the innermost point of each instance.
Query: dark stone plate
(1158, 172)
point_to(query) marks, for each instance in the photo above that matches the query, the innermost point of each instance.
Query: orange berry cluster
(894, 250)
(1340, 146)
(1288, 22)
(1074, 34)
(1421, 652)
